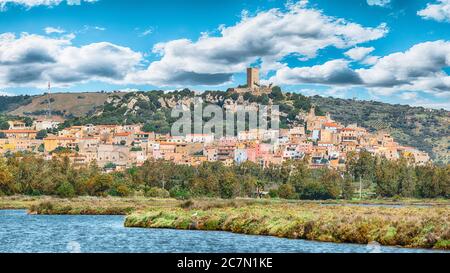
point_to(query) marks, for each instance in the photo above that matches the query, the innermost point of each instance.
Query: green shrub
(157, 192)
(286, 191)
(180, 193)
(65, 190)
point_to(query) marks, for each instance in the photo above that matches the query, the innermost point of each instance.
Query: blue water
(23, 233)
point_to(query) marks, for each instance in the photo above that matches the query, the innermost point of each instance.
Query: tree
(65, 190)
(6, 178)
(386, 178)
(406, 179)
(347, 188)
(277, 94)
(331, 181)
(41, 134)
(286, 191)
(99, 185)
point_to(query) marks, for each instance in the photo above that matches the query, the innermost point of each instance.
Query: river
(23, 233)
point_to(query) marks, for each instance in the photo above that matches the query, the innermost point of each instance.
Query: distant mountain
(425, 129)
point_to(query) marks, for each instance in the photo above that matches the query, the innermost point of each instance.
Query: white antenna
(49, 113)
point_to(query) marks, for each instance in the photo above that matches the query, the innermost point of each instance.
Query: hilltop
(66, 105)
(425, 129)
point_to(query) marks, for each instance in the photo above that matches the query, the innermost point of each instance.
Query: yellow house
(51, 143)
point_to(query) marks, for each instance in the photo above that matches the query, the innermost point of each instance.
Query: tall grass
(407, 227)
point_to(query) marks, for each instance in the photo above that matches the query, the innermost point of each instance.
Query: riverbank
(407, 223)
(46, 205)
(85, 205)
(406, 226)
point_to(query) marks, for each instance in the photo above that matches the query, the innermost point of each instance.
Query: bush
(273, 193)
(180, 193)
(286, 191)
(65, 190)
(120, 191)
(157, 192)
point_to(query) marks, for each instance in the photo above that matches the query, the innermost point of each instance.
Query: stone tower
(252, 78)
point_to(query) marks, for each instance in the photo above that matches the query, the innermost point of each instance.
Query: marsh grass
(406, 226)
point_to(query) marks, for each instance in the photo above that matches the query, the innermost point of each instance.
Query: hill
(425, 129)
(62, 104)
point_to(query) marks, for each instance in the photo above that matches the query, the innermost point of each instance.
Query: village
(325, 142)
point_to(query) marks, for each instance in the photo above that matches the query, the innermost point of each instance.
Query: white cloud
(408, 95)
(359, 53)
(32, 60)
(439, 11)
(380, 3)
(268, 37)
(336, 72)
(421, 68)
(146, 32)
(33, 3)
(50, 30)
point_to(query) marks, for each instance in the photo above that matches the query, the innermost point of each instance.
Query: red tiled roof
(330, 124)
(123, 134)
(19, 131)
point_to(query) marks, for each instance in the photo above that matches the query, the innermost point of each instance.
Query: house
(53, 142)
(122, 138)
(200, 138)
(17, 125)
(45, 124)
(20, 133)
(240, 156)
(119, 155)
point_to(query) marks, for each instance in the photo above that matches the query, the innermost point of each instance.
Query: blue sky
(395, 51)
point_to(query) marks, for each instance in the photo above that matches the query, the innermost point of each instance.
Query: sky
(395, 51)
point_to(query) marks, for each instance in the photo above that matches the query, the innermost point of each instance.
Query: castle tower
(252, 78)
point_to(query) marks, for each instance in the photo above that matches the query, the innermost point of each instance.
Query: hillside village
(322, 140)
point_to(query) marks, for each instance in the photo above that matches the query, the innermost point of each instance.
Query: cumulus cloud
(421, 68)
(32, 60)
(33, 3)
(336, 72)
(439, 11)
(380, 3)
(267, 37)
(359, 53)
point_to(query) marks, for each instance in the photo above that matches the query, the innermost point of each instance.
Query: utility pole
(360, 188)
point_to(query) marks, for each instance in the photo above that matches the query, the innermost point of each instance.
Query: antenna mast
(49, 113)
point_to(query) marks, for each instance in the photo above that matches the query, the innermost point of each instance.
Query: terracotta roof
(330, 124)
(60, 138)
(123, 134)
(18, 131)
